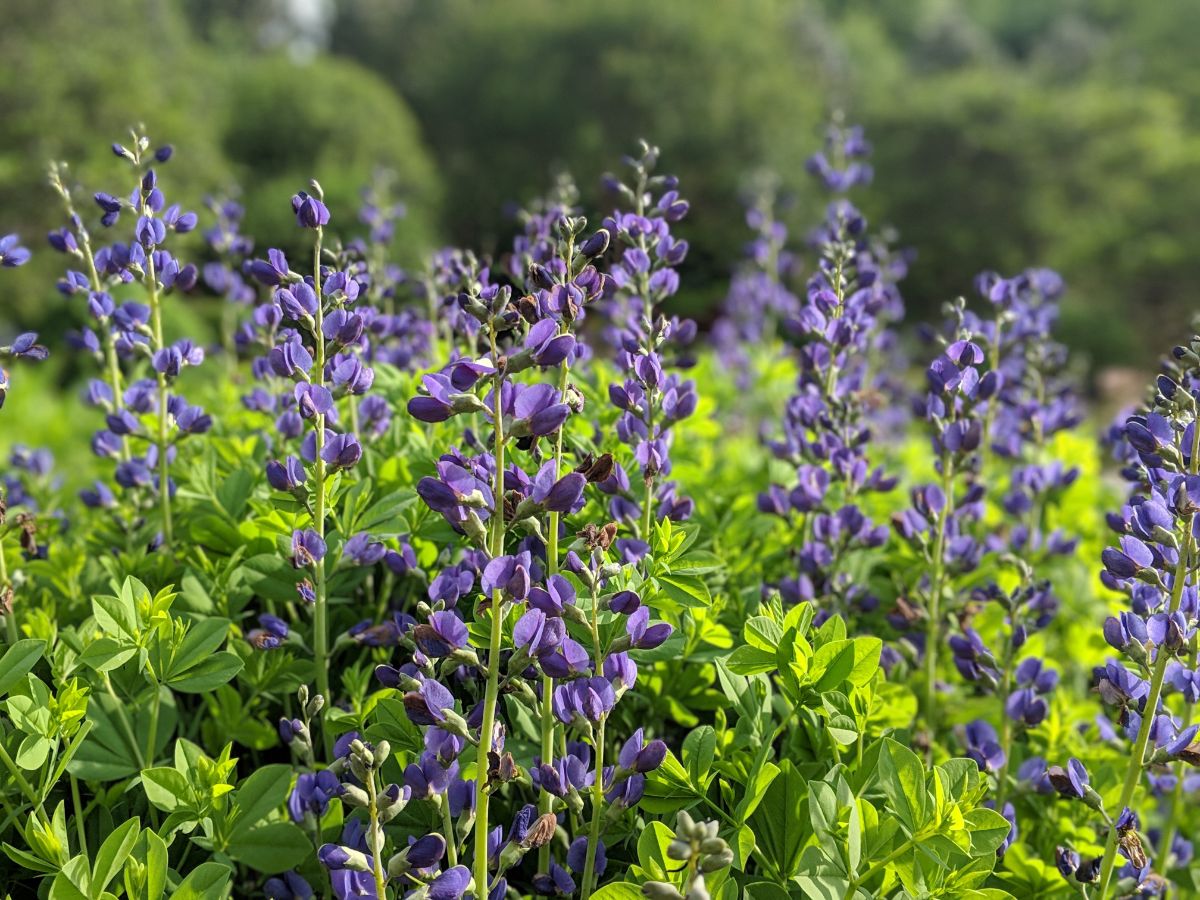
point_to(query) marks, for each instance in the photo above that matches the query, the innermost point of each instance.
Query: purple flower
(586, 698)
(312, 794)
(1071, 782)
(298, 300)
(11, 253)
(286, 476)
(444, 634)
(26, 346)
(643, 635)
(362, 551)
(308, 548)
(983, 746)
(270, 634)
(451, 884)
(509, 575)
(424, 705)
(577, 856)
(638, 756)
(288, 886)
(310, 212)
(341, 451)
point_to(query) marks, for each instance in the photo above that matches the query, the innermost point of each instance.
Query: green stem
(152, 736)
(488, 726)
(320, 607)
(1005, 735)
(83, 847)
(164, 477)
(589, 874)
(933, 610)
(376, 838)
(450, 835)
(589, 866)
(22, 783)
(1133, 772)
(126, 726)
(852, 889)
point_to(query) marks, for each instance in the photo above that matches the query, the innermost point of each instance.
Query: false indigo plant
(827, 427)
(651, 399)
(1154, 564)
(133, 330)
(519, 639)
(476, 587)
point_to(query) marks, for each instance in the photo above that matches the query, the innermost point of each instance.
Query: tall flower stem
(589, 866)
(1170, 826)
(1137, 759)
(164, 477)
(112, 365)
(546, 801)
(933, 621)
(1006, 735)
(321, 606)
(482, 795)
(376, 838)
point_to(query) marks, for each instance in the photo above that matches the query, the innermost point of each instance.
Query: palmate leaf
(110, 752)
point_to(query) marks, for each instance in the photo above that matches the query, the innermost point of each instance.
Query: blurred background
(1007, 133)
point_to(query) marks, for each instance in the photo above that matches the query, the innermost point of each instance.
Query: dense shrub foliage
(491, 576)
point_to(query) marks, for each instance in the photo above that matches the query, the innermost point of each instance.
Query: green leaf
(167, 788)
(156, 866)
(746, 660)
(765, 890)
(108, 754)
(272, 848)
(213, 672)
(618, 890)
(902, 777)
(832, 665)
(699, 750)
(18, 661)
(689, 591)
(988, 830)
(200, 642)
(652, 851)
(206, 881)
(260, 794)
(759, 781)
(106, 653)
(777, 821)
(117, 615)
(764, 633)
(28, 860)
(112, 855)
(866, 660)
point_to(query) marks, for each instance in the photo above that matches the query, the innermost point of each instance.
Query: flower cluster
(1150, 687)
(760, 299)
(144, 417)
(511, 614)
(827, 426)
(651, 399)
